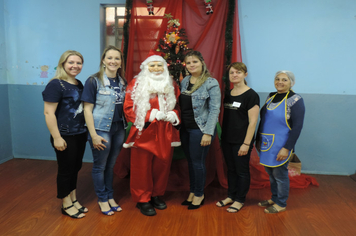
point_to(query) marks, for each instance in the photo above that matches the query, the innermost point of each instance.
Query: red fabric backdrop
(206, 33)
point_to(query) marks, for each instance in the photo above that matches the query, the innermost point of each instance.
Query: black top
(187, 113)
(235, 121)
(69, 112)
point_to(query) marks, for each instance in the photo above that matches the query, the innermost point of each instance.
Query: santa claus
(151, 106)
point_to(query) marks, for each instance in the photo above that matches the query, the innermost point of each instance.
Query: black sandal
(82, 209)
(222, 203)
(265, 203)
(235, 209)
(75, 216)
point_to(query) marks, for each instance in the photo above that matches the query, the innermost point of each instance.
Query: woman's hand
(97, 142)
(243, 150)
(205, 140)
(60, 144)
(282, 154)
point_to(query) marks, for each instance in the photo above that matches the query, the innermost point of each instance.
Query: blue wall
(37, 33)
(40, 32)
(3, 79)
(5, 131)
(314, 39)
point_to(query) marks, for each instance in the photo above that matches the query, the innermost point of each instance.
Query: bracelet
(246, 144)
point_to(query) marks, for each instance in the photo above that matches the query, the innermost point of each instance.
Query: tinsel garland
(128, 8)
(229, 41)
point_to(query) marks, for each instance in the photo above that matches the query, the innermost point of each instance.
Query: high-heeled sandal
(193, 207)
(186, 203)
(106, 212)
(75, 216)
(82, 209)
(115, 208)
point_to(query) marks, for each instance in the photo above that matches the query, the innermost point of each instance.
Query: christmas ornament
(172, 37)
(177, 49)
(208, 7)
(150, 7)
(173, 46)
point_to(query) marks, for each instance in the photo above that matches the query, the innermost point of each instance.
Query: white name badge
(236, 104)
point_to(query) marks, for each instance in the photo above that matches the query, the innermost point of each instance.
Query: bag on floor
(294, 166)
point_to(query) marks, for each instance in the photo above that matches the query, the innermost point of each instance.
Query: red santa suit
(151, 140)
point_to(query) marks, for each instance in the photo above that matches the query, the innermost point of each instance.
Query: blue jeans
(279, 179)
(104, 160)
(196, 155)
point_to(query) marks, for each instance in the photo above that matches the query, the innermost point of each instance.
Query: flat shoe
(158, 203)
(146, 208)
(264, 203)
(222, 204)
(82, 209)
(273, 210)
(235, 210)
(75, 216)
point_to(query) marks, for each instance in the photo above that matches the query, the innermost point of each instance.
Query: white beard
(149, 85)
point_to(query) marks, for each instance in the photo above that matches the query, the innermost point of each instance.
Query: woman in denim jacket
(103, 97)
(200, 107)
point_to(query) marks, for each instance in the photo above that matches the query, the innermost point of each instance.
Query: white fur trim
(128, 145)
(152, 58)
(153, 115)
(175, 144)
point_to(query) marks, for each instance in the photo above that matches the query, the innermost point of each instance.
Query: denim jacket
(206, 102)
(104, 107)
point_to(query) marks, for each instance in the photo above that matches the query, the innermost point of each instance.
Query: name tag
(236, 104)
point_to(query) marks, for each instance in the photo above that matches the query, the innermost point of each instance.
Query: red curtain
(206, 33)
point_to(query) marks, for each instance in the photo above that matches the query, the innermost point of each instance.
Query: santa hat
(153, 56)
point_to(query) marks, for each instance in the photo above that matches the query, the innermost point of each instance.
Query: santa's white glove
(160, 115)
(172, 117)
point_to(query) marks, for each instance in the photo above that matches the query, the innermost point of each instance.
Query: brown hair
(120, 71)
(238, 66)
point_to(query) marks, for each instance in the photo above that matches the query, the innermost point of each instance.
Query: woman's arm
(297, 118)
(214, 110)
(51, 121)
(214, 103)
(252, 119)
(89, 120)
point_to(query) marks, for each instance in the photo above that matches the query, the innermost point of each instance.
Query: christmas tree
(173, 47)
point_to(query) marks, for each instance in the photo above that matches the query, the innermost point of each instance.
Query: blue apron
(274, 133)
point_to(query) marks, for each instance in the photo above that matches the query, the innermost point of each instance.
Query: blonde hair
(120, 71)
(205, 72)
(61, 74)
